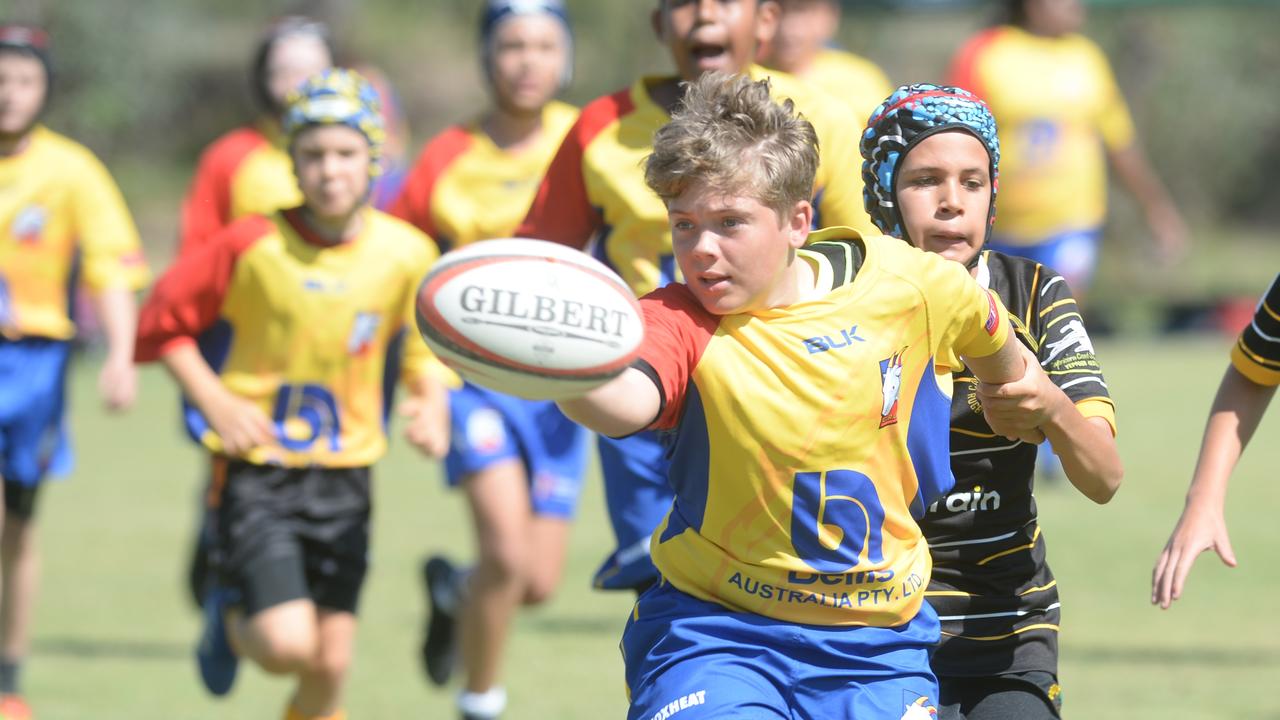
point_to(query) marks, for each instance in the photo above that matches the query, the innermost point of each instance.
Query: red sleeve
(964, 66)
(207, 207)
(413, 205)
(188, 298)
(676, 331)
(561, 211)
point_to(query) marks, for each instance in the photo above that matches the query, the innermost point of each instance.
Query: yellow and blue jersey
(799, 499)
(311, 332)
(1256, 354)
(1058, 107)
(594, 192)
(464, 188)
(63, 222)
(856, 81)
(245, 172)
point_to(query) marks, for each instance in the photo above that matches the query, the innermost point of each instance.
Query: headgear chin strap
(911, 114)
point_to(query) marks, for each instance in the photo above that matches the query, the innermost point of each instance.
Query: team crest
(29, 224)
(363, 332)
(917, 709)
(891, 386)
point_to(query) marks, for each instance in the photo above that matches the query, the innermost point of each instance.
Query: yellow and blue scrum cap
(338, 96)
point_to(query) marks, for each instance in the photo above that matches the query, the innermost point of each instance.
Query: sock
(292, 714)
(488, 704)
(9, 671)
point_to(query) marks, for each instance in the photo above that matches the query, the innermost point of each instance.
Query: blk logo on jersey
(891, 386)
(29, 224)
(363, 333)
(824, 343)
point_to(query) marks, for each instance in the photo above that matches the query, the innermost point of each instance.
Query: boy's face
(734, 252)
(292, 60)
(806, 26)
(332, 166)
(22, 89)
(1054, 17)
(943, 189)
(529, 55)
(708, 35)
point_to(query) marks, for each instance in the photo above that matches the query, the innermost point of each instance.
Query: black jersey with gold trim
(1256, 354)
(992, 589)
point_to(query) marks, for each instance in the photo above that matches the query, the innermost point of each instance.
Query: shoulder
(447, 145)
(984, 41)
(234, 145)
(400, 240)
(244, 232)
(558, 117)
(601, 113)
(62, 150)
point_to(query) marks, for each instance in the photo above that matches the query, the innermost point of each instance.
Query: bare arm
(1004, 366)
(427, 410)
(624, 405)
(240, 425)
(118, 381)
(1237, 410)
(1166, 223)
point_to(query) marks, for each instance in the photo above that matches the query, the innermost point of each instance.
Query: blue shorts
(637, 496)
(1072, 254)
(33, 432)
(689, 659)
(490, 427)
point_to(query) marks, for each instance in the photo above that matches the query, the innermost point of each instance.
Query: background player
(519, 462)
(310, 307)
(594, 194)
(1243, 396)
(64, 222)
(931, 166)
(804, 46)
(791, 560)
(1062, 117)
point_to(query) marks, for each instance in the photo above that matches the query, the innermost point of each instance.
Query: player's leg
(697, 659)
(637, 498)
(320, 683)
(555, 453)
(1029, 696)
(19, 579)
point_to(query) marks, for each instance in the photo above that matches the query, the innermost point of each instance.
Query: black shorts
(20, 499)
(1033, 695)
(284, 534)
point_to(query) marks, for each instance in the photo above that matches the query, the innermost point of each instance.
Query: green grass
(114, 631)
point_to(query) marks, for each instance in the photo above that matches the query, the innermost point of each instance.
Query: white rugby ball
(529, 318)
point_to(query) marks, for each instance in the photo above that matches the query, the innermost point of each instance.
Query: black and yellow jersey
(991, 586)
(1256, 354)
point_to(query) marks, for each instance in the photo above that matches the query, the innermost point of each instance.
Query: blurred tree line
(148, 83)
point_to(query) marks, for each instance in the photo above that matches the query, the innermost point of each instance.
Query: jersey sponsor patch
(485, 431)
(1073, 337)
(363, 333)
(28, 224)
(684, 702)
(993, 315)
(917, 707)
(890, 386)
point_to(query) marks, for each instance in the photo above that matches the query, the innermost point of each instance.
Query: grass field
(114, 632)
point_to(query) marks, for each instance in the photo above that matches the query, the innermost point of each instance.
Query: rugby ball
(529, 318)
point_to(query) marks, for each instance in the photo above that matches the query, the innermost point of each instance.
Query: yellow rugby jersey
(1256, 354)
(1058, 106)
(62, 221)
(856, 81)
(465, 188)
(311, 332)
(245, 172)
(806, 441)
(594, 191)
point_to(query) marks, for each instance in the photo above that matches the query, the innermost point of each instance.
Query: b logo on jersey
(29, 224)
(363, 332)
(824, 343)
(890, 386)
(917, 709)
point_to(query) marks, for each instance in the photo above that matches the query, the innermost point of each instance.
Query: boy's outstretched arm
(1004, 366)
(239, 423)
(118, 381)
(427, 412)
(626, 404)
(1237, 410)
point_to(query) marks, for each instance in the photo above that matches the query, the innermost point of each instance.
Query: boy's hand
(240, 423)
(429, 426)
(118, 384)
(1018, 409)
(1198, 529)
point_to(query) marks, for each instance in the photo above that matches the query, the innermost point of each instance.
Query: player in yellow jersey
(931, 169)
(63, 223)
(796, 380)
(594, 197)
(519, 462)
(803, 46)
(1063, 118)
(1243, 396)
(306, 314)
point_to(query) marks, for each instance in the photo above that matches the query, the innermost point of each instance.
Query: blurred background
(147, 84)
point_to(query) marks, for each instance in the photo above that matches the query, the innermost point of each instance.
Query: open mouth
(708, 53)
(713, 282)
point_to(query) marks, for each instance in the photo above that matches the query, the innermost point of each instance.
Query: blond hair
(730, 135)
